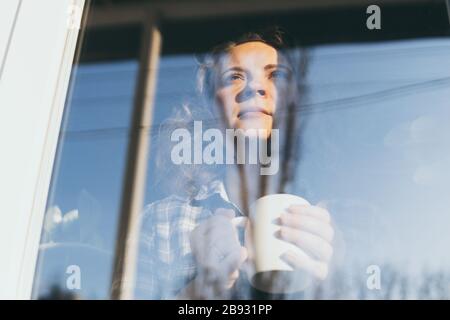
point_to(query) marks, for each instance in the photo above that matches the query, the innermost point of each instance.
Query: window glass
(343, 133)
(372, 147)
(77, 247)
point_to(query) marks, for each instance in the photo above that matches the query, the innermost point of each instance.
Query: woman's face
(252, 84)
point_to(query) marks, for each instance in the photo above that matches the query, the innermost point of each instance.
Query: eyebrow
(267, 67)
(234, 69)
(275, 66)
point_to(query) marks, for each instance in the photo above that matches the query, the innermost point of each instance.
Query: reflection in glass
(370, 145)
(78, 238)
(361, 134)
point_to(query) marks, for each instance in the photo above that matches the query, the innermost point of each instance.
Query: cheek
(226, 99)
(280, 96)
(225, 102)
(275, 97)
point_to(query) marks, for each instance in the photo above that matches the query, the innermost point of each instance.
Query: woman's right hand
(219, 255)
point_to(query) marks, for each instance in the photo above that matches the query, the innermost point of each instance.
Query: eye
(279, 75)
(234, 77)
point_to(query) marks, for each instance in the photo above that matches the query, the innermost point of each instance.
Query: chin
(256, 127)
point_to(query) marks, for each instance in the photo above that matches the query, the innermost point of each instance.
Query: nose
(261, 92)
(257, 87)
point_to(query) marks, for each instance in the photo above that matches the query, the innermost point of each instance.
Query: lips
(253, 110)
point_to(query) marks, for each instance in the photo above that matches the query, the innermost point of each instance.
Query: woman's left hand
(309, 228)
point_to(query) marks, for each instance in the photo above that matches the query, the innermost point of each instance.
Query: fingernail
(291, 208)
(225, 212)
(285, 256)
(277, 220)
(288, 255)
(277, 234)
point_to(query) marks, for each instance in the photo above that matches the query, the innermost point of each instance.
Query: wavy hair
(188, 179)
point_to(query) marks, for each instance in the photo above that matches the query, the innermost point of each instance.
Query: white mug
(265, 269)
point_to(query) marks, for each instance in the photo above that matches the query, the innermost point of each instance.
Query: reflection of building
(36, 64)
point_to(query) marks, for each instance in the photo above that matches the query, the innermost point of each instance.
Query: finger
(208, 251)
(301, 261)
(314, 211)
(219, 219)
(215, 228)
(244, 255)
(308, 224)
(239, 222)
(222, 274)
(220, 248)
(315, 245)
(210, 248)
(233, 261)
(221, 216)
(200, 289)
(228, 213)
(235, 274)
(227, 266)
(225, 217)
(231, 281)
(224, 232)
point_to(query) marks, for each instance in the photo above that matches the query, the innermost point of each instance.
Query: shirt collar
(214, 189)
(215, 186)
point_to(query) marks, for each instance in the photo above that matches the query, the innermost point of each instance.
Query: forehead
(251, 54)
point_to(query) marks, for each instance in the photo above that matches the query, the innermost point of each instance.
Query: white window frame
(37, 51)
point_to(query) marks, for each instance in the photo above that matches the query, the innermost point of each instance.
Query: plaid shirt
(165, 263)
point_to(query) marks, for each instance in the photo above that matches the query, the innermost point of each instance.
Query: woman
(189, 247)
